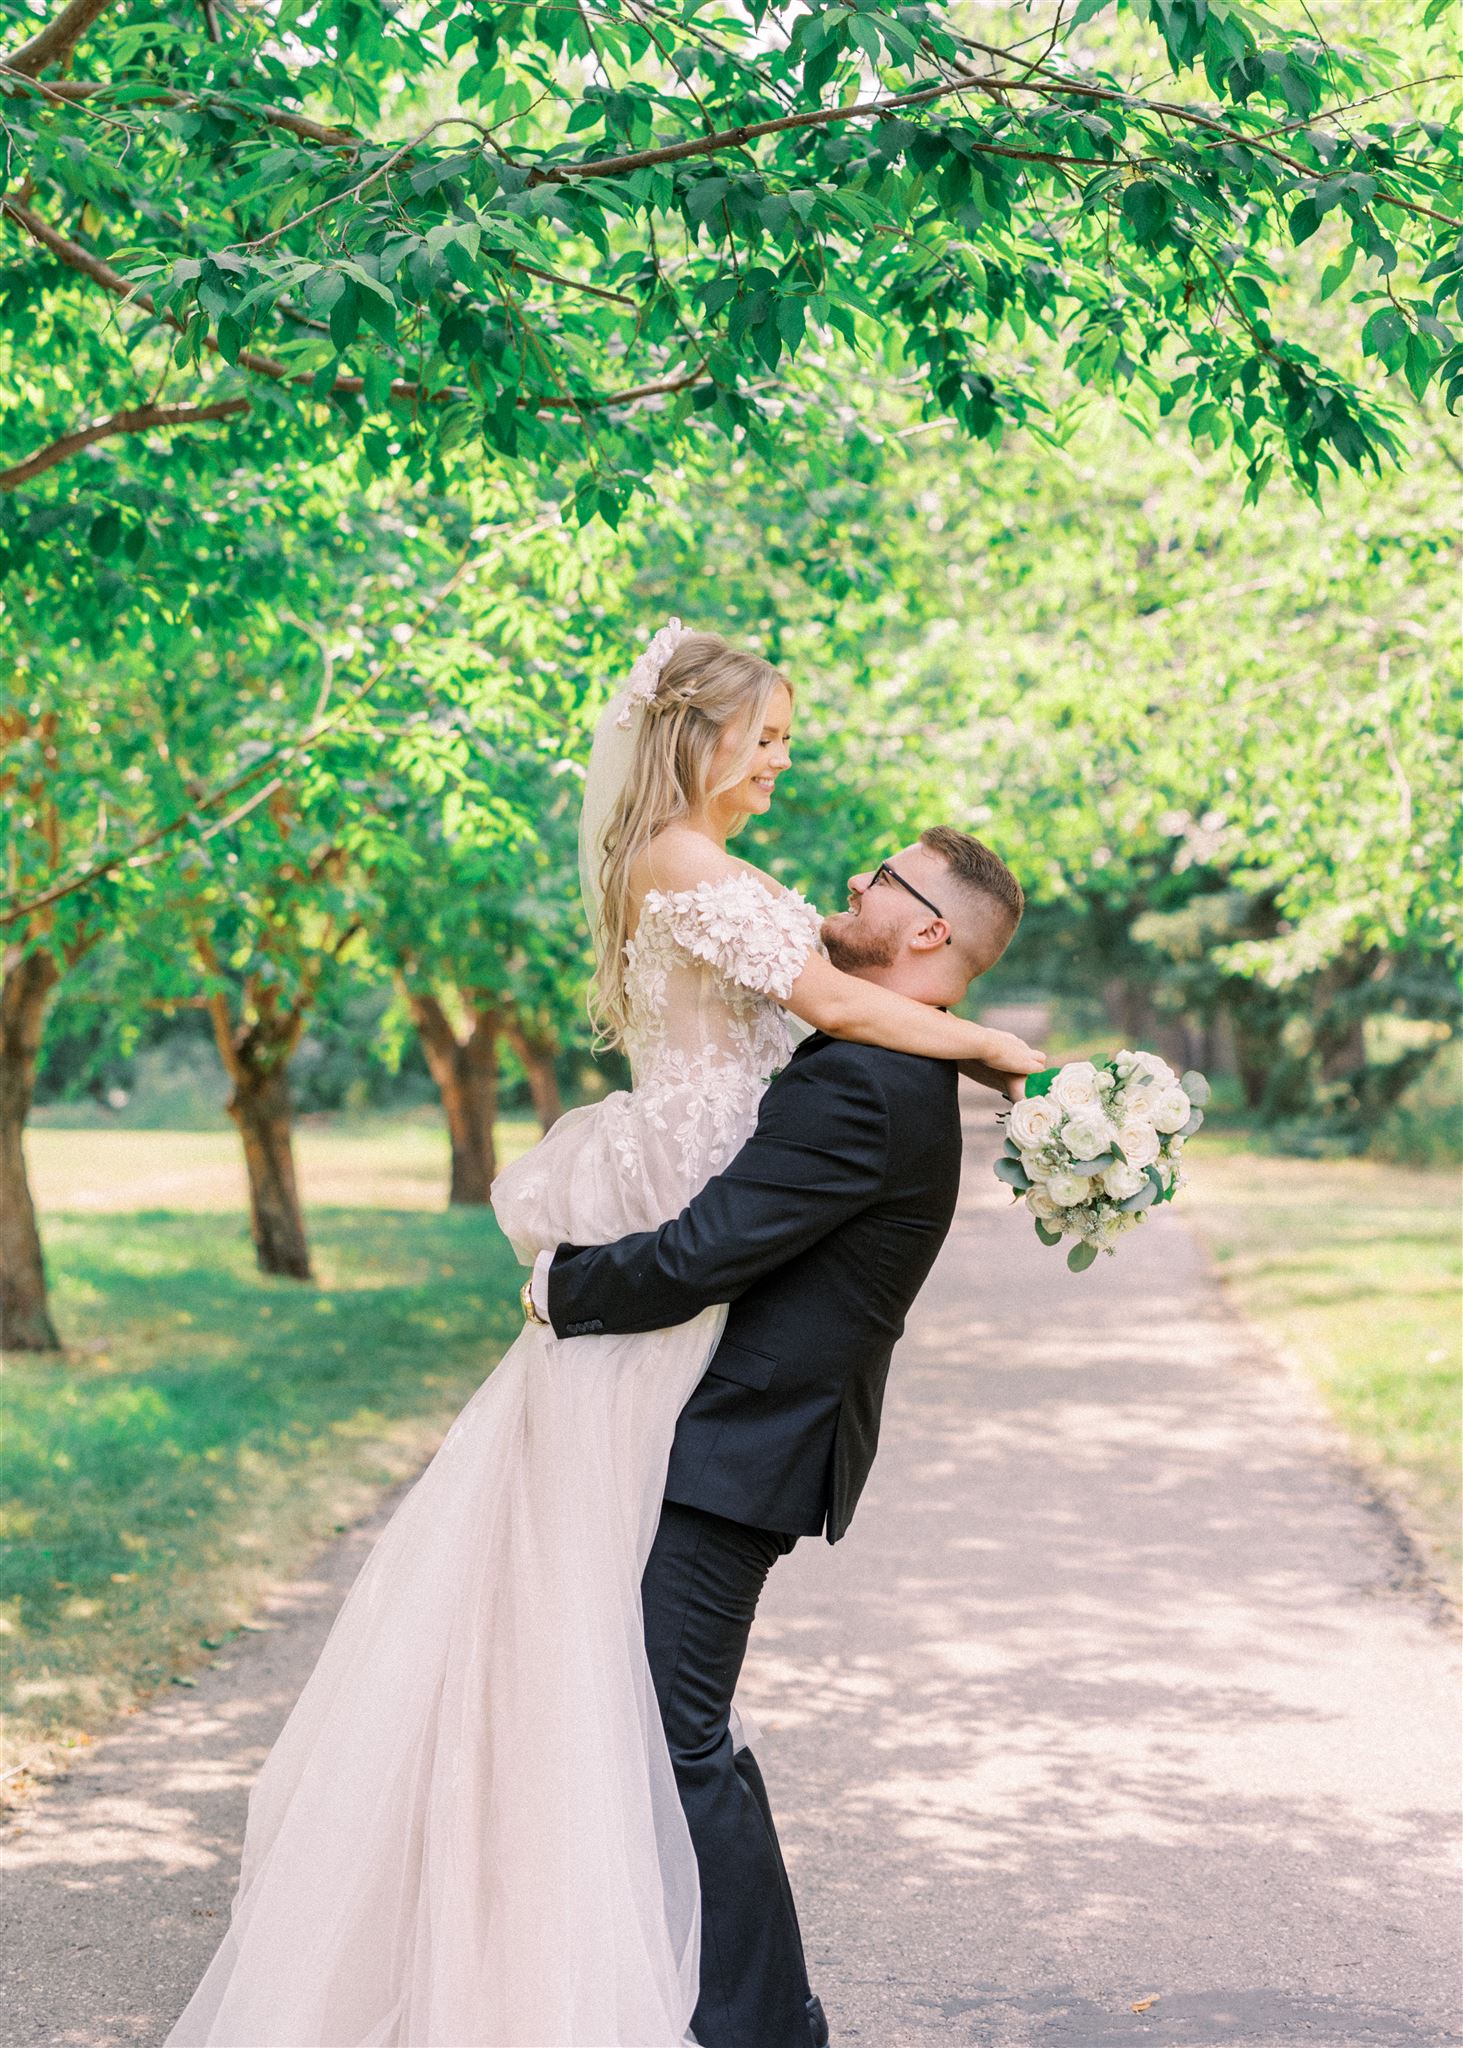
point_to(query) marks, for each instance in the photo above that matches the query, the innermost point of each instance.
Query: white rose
(1040, 1203)
(1122, 1179)
(1075, 1088)
(1149, 1063)
(1036, 1165)
(1087, 1136)
(1068, 1190)
(1032, 1121)
(1172, 1109)
(1138, 1143)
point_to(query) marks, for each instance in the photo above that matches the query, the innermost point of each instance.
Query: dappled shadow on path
(118, 1879)
(1118, 1683)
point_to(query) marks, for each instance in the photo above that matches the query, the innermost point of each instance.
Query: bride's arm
(823, 995)
(846, 1007)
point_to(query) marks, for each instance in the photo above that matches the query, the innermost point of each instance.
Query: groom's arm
(817, 1157)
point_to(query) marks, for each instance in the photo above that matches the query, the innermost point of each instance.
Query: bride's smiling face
(771, 756)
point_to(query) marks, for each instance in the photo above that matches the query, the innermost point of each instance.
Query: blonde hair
(706, 689)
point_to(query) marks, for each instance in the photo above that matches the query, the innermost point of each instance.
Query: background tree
(477, 918)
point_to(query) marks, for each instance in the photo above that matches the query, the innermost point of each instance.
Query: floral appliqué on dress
(706, 975)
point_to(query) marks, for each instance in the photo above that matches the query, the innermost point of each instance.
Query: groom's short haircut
(979, 872)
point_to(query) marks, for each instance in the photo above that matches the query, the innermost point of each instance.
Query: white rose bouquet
(1090, 1149)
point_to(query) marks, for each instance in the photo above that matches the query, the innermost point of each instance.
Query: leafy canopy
(570, 237)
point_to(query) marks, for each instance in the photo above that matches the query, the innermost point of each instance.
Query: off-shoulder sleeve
(747, 934)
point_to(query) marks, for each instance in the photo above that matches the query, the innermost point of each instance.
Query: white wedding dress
(468, 1834)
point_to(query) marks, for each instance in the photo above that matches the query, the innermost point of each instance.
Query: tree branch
(76, 258)
(818, 117)
(58, 38)
(76, 92)
(135, 419)
(585, 401)
(1041, 81)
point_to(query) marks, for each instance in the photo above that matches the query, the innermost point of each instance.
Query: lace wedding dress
(467, 1834)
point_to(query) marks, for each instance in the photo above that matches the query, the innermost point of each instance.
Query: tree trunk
(1255, 1054)
(256, 1058)
(25, 1317)
(1176, 1040)
(466, 1073)
(1130, 1011)
(536, 1051)
(1220, 1058)
(260, 1106)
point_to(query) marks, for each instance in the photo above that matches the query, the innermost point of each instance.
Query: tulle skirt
(468, 1834)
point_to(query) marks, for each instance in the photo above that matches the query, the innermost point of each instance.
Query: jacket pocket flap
(747, 1368)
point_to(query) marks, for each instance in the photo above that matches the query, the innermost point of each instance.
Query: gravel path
(1124, 1715)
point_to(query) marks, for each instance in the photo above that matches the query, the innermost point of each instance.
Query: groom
(819, 1234)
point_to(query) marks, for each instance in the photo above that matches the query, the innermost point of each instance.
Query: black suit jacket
(819, 1234)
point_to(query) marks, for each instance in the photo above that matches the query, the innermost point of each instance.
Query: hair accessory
(644, 678)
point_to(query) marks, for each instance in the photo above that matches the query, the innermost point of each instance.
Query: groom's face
(882, 916)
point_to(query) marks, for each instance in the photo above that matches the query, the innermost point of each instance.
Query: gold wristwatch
(530, 1312)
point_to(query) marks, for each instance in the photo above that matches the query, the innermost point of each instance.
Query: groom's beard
(852, 944)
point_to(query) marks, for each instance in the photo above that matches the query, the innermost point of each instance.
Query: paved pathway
(1123, 1692)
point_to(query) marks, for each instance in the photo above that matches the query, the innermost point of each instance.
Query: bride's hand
(1011, 1055)
(1012, 1086)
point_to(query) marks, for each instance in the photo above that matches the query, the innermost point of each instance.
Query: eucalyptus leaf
(1081, 1256)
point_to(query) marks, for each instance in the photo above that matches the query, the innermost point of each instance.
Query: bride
(467, 1834)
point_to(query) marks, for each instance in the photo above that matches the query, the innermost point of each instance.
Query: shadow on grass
(197, 1393)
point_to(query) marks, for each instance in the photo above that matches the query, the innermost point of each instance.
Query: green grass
(208, 1428)
(1353, 1267)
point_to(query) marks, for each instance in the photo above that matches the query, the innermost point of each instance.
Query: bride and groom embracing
(512, 1807)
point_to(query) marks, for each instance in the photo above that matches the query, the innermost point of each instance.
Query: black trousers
(700, 1592)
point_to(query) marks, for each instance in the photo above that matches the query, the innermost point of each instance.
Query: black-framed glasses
(894, 875)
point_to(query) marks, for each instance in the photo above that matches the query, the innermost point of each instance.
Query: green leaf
(1046, 1233)
(345, 317)
(106, 531)
(1386, 330)
(706, 197)
(1146, 209)
(1013, 1173)
(1420, 360)
(1304, 220)
(1081, 1256)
